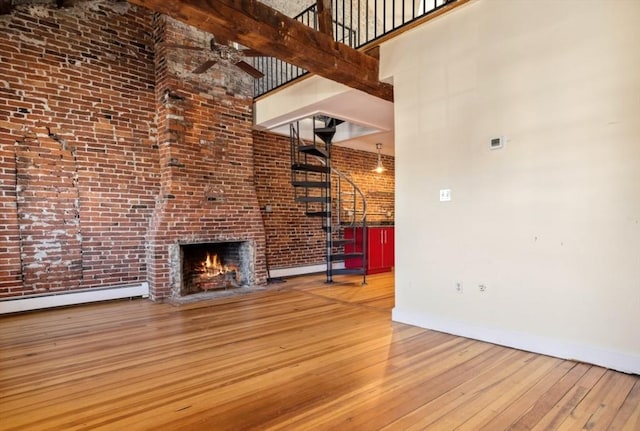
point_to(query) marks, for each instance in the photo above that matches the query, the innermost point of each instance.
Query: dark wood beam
(5, 7)
(272, 33)
(374, 51)
(65, 3)
(325, 20)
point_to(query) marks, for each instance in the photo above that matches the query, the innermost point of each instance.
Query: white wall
(550, 223)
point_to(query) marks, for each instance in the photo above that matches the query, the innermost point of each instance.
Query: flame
(212, 265)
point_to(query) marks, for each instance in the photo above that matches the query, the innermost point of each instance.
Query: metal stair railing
(342, 176)
(356, 23)
(299, 159)
(362, 222)
(308, 174)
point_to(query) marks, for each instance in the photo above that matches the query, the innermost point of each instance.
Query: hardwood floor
(299, 356)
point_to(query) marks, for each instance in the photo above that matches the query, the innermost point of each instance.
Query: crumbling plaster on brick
(48, 207)
(77, 126)
(81, 8)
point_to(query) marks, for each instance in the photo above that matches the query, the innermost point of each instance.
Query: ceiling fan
(225, 50)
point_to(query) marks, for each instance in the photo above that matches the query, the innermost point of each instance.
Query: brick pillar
(207, 190)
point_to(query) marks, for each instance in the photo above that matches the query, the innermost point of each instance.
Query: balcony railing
(355, 23)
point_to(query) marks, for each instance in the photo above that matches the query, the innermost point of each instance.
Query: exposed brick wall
(112, 153)
(206, 157)
(378, 188)
(294, 239)
(10, 265)
(77, 114)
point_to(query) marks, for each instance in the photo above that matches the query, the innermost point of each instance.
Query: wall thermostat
(496, 143)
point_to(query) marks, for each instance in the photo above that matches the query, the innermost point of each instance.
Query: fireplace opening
(215, 266)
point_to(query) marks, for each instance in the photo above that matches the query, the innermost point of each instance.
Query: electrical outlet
(482, 287)
(459, 288)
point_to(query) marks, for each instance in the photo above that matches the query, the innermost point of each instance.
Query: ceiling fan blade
(204, 66)
(219, 40)
(249, 69)
(251, 53)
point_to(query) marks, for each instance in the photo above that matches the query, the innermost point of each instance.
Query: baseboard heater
(36, 302)
(302, 270)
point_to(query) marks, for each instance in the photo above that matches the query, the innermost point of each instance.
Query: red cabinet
(380, 246)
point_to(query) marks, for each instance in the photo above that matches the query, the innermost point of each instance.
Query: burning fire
(213, 274)
(212, 266)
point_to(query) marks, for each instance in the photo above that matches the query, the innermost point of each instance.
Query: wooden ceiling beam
(325, 20)
(272, 33)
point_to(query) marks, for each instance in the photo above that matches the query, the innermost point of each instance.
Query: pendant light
(379, 168)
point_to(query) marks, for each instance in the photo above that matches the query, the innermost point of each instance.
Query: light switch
(445, 195)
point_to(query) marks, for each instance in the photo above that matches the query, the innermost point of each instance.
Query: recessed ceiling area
(345, 131)
(367, 119)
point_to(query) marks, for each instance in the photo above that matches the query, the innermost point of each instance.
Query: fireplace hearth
(215, 266)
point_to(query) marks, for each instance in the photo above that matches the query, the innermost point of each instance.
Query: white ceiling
(366, 114)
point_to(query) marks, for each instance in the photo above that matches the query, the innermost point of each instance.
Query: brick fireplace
(207, 201)
(212, 267)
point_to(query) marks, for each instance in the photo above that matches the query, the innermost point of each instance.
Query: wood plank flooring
(299, 356)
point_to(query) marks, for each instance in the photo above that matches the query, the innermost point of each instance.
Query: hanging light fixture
(379, 168)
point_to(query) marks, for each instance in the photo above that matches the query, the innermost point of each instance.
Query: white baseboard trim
(301, 270)
(36, 302)
(616, 360)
